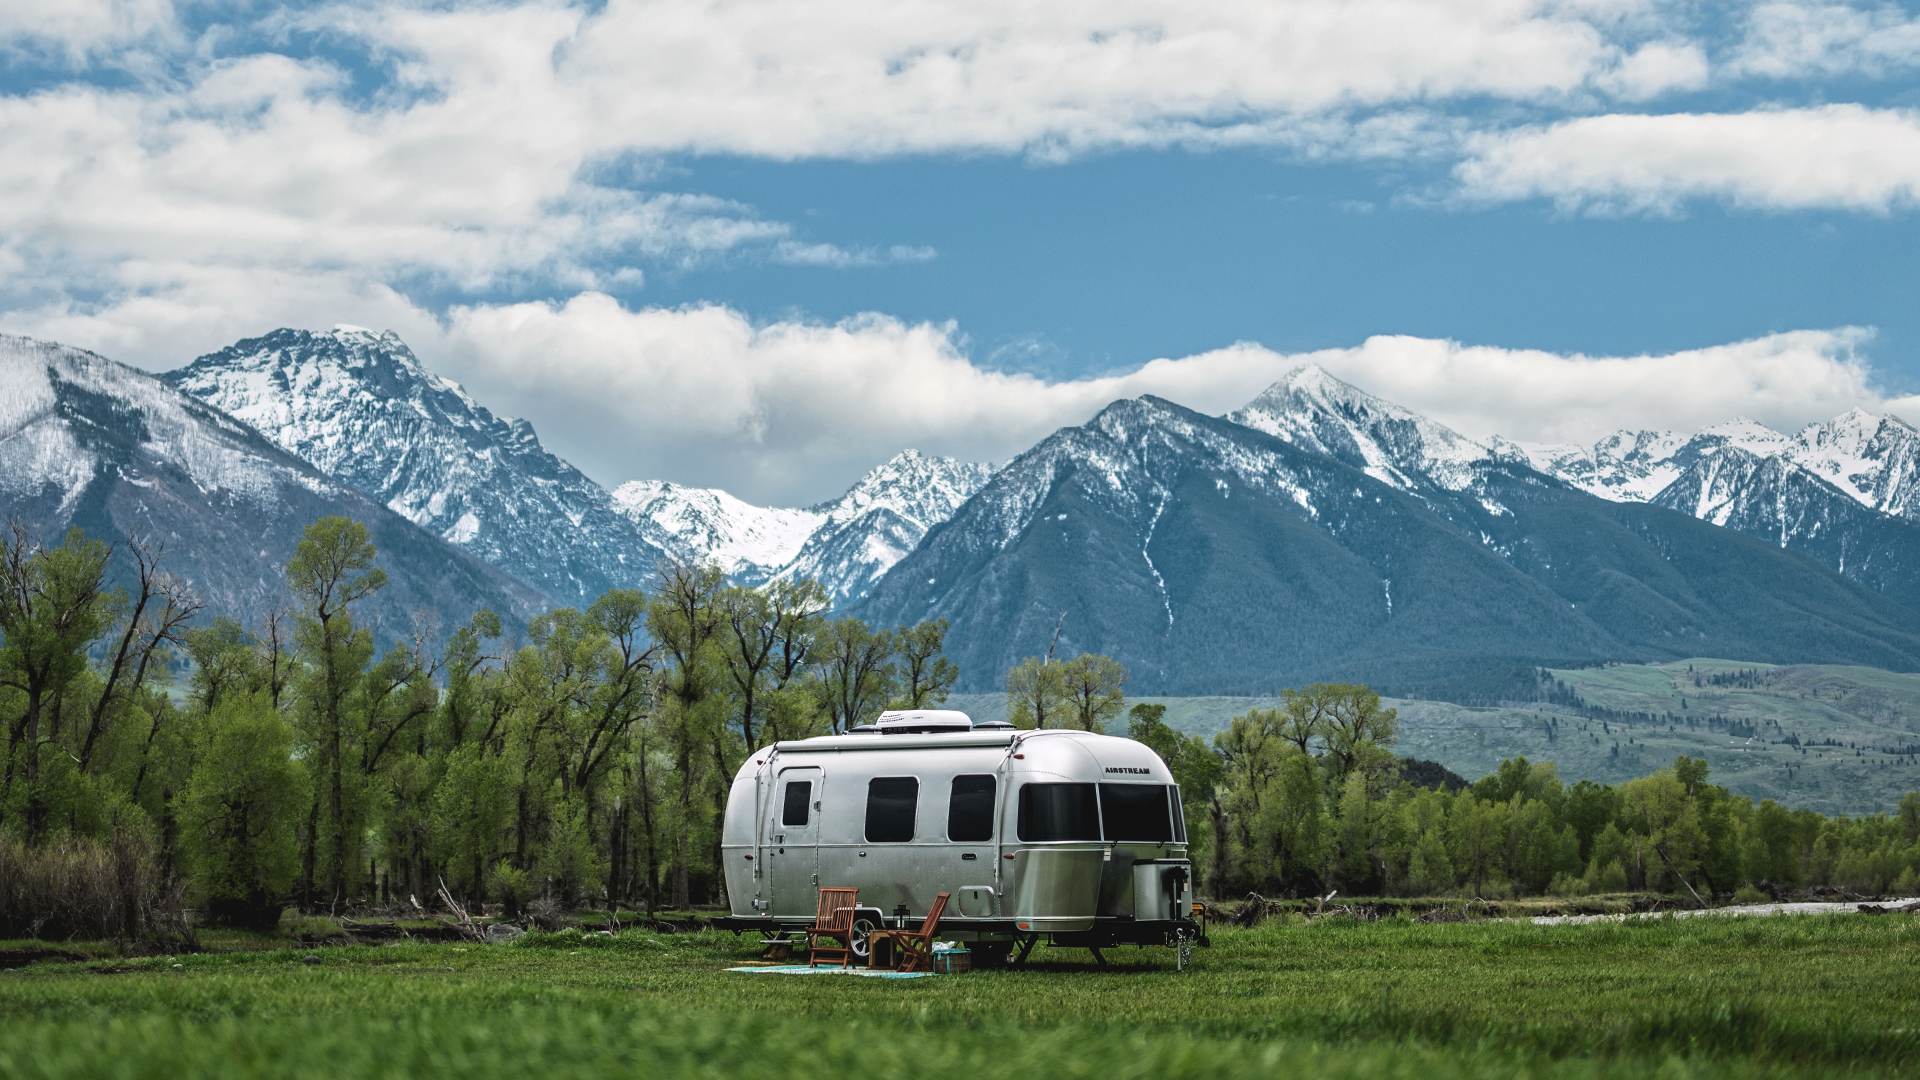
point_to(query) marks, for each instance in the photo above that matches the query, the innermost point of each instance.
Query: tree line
(588, 762)
(290, 760)
(1312, 799)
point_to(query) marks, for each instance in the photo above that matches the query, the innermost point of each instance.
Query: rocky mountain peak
(90, 442)
(1314, 411)
(846, 544)
(362, 407)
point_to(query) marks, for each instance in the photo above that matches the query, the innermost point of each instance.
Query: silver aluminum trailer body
(1068, 834)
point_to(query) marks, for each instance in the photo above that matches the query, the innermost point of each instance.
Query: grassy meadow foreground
(1787, 996)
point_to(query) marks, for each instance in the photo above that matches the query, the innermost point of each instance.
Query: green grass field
(1792, 996)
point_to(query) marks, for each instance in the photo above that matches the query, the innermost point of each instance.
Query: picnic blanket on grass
(802, 969)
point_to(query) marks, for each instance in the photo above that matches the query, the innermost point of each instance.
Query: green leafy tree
(1093, 690)
(1480, 833)
(923, 676)
(854, 673)
(53, 606)
(685, 619)
(331, 569)
(1656, 809)
(1036, 694)
(241, 810)
(1359, 734)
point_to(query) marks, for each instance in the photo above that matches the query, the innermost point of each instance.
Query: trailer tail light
(1006, 856)
(1024, 926)
(1021, 756)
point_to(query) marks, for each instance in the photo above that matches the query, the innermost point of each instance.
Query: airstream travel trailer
(1069, 835)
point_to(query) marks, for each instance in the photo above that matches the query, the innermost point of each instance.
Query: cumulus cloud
(857, 79)
(489, 148)
(791, 412)
(1783, 380)
(1843, 157)
(1795, 40)
(68, 30)
(1657, 68)
(209, 191)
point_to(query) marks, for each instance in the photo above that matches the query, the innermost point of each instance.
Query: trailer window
(890, 803)
(1136, 812)
(1058, 812)
(1179, 816)
(970, 810)
(799, 800)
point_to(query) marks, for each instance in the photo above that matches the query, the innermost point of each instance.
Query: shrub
(1565, 884)
(74, 887)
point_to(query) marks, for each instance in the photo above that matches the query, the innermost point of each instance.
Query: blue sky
(763, 247)
(1100, 264)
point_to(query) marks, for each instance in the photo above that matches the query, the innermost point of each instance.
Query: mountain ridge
(1186, 545)
(846, 543)
(361, 407)
(88, 441)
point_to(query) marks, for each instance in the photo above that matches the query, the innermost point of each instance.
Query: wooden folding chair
(914, 948)
(834, 920)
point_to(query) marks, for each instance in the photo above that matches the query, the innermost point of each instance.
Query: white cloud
(70, 29)
(1657, 68)
(479, 160)
(859, 79)
(170, 312)
(1783, 380)
(1834, 157)
(800, 253)
(791, 412)
(1795, 40)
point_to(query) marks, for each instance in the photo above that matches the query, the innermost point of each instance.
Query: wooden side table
(879, 943)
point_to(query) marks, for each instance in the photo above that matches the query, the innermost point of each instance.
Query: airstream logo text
(1142, 772)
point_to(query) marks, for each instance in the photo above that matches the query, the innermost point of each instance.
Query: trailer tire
(864, 924)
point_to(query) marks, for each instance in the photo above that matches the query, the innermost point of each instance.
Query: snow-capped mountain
(361, 407)
(846, 544)
(1846, 492)
(90, 442)
(1209, 557)
(1398, 447)
(700, 524)
(1778, 500)
(1874, 460)
(1635, 466)
(1818, 492)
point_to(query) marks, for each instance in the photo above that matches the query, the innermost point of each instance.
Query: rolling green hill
(1857, 728)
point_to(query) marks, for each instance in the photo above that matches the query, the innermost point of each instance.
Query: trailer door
(793, 864)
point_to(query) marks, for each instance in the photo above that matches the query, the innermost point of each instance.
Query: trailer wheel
(863, 927)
